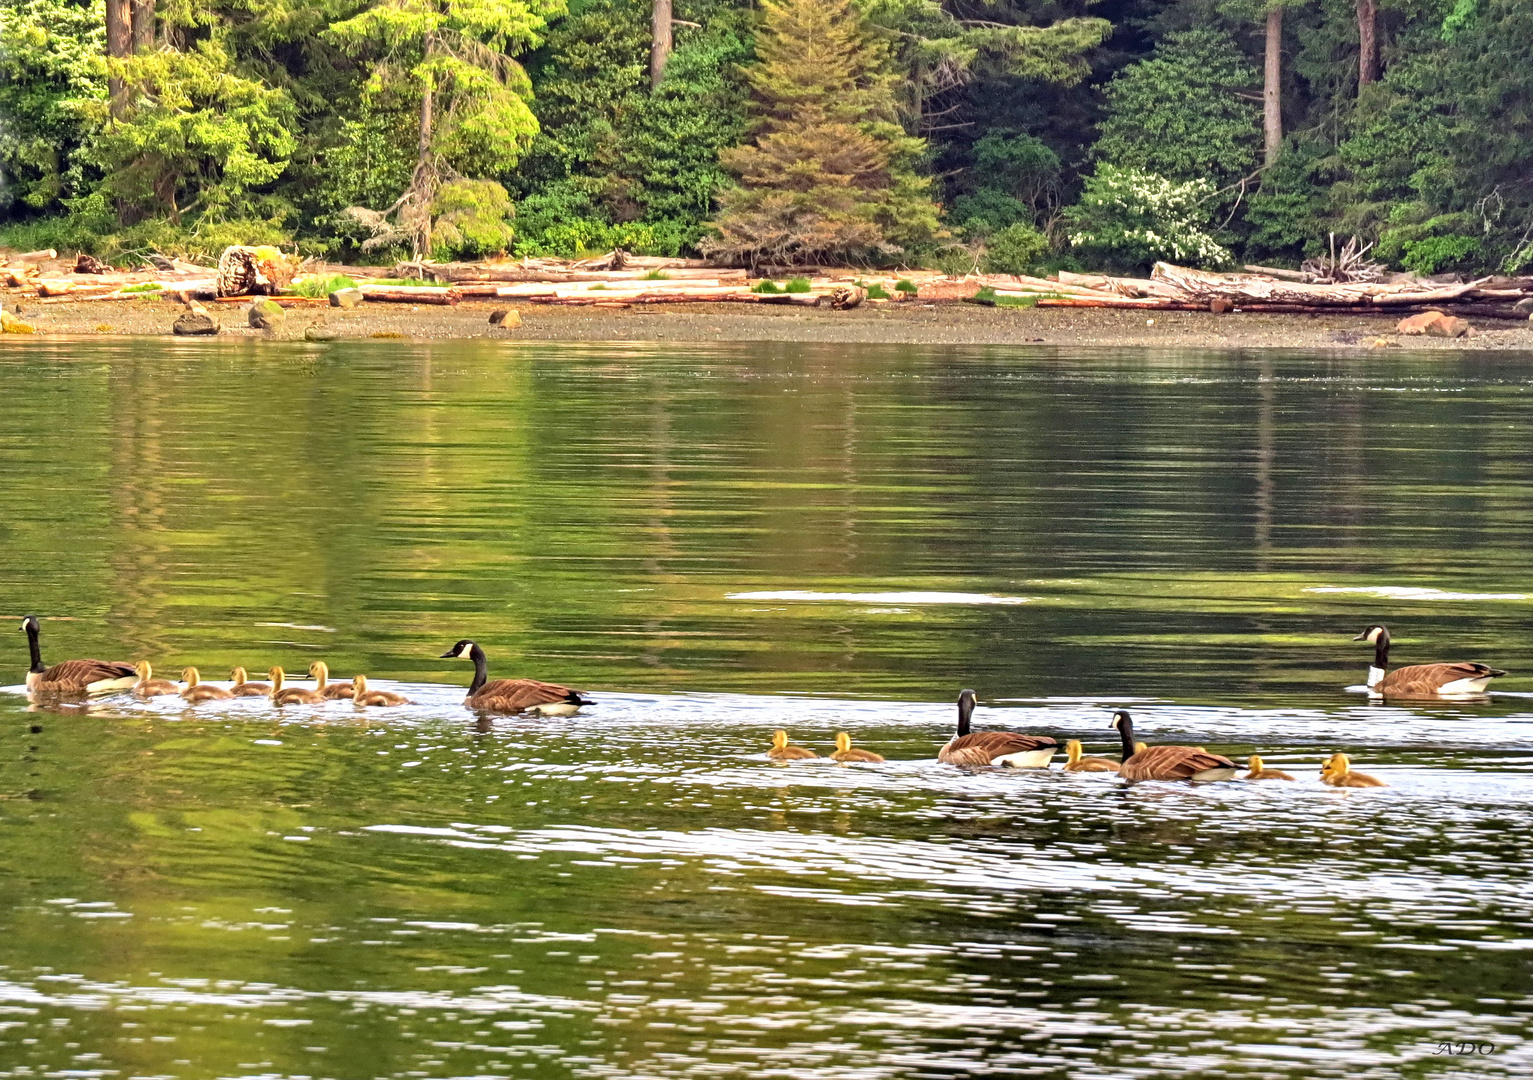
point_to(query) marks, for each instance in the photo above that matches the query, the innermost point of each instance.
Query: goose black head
(461, 651)
(1120, 718)
(1372, 634)
(30, 625)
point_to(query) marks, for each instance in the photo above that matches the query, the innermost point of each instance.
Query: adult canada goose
(1074, 762)
(292, 695)
(319, 671)
(994, 747)
(244, 688)
(781, 751)
(197, 690)
(1463, 679)
(148, 687)
(513, 695)
(362, 696)
(73, 676)
(1167, 762)
(1337, 772)
(1261, 772)
(845, 752)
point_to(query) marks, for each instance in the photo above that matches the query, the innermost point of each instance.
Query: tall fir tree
(830, 173)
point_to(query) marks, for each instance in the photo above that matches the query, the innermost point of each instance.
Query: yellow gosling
(292, 695)
(1076, 762)
(319, 671)
(844, 751)
(197, 690)
(362, 696)
(243, 687)
(148, 687)
(1261, 772)
(781, 751)
(1337, 772)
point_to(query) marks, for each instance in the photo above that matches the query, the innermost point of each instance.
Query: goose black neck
(1381, 650)
(1126, 732)
(481, 670)
(965, 710)
(37, 653)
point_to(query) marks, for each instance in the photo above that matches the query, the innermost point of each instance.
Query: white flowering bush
(1129, 217)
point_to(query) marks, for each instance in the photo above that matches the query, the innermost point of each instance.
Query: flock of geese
(1011, 749)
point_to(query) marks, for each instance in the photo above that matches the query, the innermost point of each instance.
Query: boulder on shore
(10, 324)
(193, 324)
(267, 315)
(1436, 323)
(346, 298)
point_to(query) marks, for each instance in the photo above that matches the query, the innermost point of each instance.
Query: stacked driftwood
(1173, 288)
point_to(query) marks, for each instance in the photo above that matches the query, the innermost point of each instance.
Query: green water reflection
(229, 892)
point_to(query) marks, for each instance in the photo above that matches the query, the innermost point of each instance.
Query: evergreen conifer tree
(830, 173)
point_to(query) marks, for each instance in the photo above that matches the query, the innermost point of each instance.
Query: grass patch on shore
(316, 287)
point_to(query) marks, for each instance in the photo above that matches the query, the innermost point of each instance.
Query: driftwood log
(410, 294)
(1255, 288)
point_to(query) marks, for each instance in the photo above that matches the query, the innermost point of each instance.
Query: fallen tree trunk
(410, 294)
(1252, 288)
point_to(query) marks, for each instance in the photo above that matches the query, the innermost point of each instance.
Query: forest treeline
(1010, 134)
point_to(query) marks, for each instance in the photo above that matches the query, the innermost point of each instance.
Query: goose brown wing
(518, 694)
(1171, 763)
(85, 672)
(983, 747)
(1424, 680)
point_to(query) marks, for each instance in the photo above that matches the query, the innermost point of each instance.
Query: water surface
(716, 542)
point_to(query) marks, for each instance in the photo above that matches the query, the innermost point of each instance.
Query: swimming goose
(994, 747)
(292, 695)
(243, 688)
(1074, 762)
(1336, 771)
(319, 671)
(781, 751)
(196, 690)
(844, 751)
(1462, 679)
(148, 687)
(362, 696)
(1167, 762)
(1261, 772)
(73, 676)
(513, 695)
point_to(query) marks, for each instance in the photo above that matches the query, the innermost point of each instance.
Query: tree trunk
(1272, 87)
(660, 41)
(119, 43)
(143, 25)
(1368, 42)
(422, 182)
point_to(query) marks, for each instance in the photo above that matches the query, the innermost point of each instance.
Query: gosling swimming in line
(1076, 762)
(291, 695)
(362, 697)
(781, 751)
(845, 751)
(319, 671)
(1336, 771)
(244, 688)
(197, 690)
(148, 686)
(1259, 771)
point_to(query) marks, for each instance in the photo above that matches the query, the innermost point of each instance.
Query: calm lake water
(720, 541)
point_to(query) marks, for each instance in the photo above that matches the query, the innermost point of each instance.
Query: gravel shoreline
(903, 323)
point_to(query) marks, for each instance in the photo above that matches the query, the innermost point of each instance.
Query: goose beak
(1361, 637)
(448, 655)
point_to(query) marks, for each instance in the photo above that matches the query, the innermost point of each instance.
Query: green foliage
(875, 291)
(766, 287)
(797, 285)
(472, 219)
(143, 287)
(1180, 115)
(905, 285)
(315, 286)
(48, 65)
(656, 275)
(1431, 246)
(1131, 218)
(829, 175)
(954, 261)
(1016, 249)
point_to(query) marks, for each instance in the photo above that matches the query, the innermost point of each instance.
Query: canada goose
(781, 751)
(1074, 762)
(1167, 762)
(1337, 772)
(994, 747)
(1261, 772)
(513, 695)
(319, 671)
(243, 688)
(196, 690)
(844, 751)
(363, 696)
(293, 695)
(73, 676)
(148, 687)
(1462, 679)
